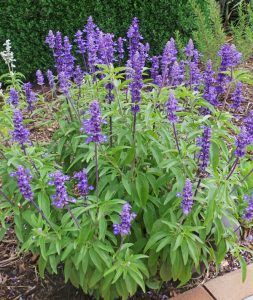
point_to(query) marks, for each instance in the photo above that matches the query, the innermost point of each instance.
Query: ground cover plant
(147, 178)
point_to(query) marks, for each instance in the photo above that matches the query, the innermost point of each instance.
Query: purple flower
(91, 45)
(13, 97)
(237, 96)
(189, 49)
(136, 84)
(177, 73)
(24, 177)
(204, 154)
(187, 197)
(61, 197)
(248, 214)
(126, 216)
(31, 97)
(78, 76)
(40, 77)
(143, 51)
(50, 78)
(64, 83)
(92, 126)
(168, 58)
(154, 68)
(83, 185)
(120, 49)
(80, 42)
(50, 39)
(134, 37)
(230, 58)
(20, 134)
(210, 93)
(105, 49)
(109, 96)
(248, 123)
(172, 106)
(195, 75)
(242, 141)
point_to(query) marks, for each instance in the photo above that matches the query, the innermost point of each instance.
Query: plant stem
(197, 188)
(32, 163)
(74, 108)
(233, 168)
(134, 131)
(73, 217)
(96, 166)
(41, 212)
(175, 135)
(245, 177)
(6, 197)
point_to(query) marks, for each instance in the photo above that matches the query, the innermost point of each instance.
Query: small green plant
(209, 34)
(242, 30)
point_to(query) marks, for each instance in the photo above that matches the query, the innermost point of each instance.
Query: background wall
(26, 23)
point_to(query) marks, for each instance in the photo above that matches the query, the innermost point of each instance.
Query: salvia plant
(127, 176)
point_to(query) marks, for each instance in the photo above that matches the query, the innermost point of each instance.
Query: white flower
(8, 55)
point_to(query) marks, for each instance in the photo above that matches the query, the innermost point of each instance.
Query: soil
(19, 278)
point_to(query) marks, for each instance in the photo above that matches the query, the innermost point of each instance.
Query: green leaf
(67, 251)
(243, 267)
(142, 187)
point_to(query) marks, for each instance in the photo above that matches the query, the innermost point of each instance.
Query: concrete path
(227, 287)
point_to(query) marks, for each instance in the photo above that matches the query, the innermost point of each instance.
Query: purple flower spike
(230, 57)
(248, 123)
(187, 197)
(189, 49)
(172, 107)
(242, 141)
(61, 197)
(168, 58)
(78, 76)
(177, 74)
(13, 97)
(210, 93)
(120, 50)
(31, 97)
(92, 126)
(50, 78)
(134, 38)
(64, 83)
(124, 227)
(91, 45)
(24, 177)
(50, 39)
(20, 134)
(40, 77)
(248, 214)
(79, 40)
(83, 185)
(237, 96)
(154, 69)
(204, 154)
(136, 84)
(105, 47)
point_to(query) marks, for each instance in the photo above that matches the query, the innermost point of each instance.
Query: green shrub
(27, 23)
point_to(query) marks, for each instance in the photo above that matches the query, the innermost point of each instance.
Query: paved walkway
(227, 287)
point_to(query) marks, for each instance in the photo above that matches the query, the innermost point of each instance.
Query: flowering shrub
(144, 178)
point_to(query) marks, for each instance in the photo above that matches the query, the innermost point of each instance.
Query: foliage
(209, 35)
(146, 161)
(242, 30)
(27, 24)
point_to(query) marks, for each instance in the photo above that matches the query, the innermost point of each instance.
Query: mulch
(19, 278)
